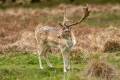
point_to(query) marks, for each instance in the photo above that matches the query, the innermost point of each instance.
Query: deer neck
(71, 41)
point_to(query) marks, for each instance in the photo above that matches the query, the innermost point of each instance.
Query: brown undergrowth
(101, 69)
(17, 29)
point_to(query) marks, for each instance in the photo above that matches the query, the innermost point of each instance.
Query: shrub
(100, 69)
(111, 46)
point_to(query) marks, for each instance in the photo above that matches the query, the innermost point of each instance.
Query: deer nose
(66, 30)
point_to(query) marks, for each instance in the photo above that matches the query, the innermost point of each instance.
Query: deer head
(67, 27)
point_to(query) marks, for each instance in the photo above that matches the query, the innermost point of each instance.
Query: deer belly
(56, 43)
(53, 44)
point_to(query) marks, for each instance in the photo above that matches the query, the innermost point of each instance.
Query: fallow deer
(61, 37)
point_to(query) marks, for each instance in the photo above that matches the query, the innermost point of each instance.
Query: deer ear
(61, 24)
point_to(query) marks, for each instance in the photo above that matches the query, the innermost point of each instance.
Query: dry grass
(92, 39)
(101, 69)
(17, 27)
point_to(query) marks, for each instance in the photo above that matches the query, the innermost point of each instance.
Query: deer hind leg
(41, 51)
(39, 58)
(46, 57)
(48, 62)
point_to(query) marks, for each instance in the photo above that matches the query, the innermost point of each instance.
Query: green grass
(25, 67)
(20, 66)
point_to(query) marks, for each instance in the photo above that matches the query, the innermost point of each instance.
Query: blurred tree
(2, 1)
(23, 2)
(8, 1)
(72, 0)
(35, 1)
(13, 0)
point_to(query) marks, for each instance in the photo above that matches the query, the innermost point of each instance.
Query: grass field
(24, 66)
(103, 25)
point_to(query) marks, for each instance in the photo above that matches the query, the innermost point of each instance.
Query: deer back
(49, 35)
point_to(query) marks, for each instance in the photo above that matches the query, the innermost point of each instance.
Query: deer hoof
(51, 66)
(68, 68)
(41, 67)
(65, 70)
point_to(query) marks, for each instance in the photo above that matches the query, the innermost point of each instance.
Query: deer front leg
(46, 56)
(66, 62)
(65, 59)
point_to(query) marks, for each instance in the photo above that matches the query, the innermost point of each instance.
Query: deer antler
(86, 14)
(65, 19)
